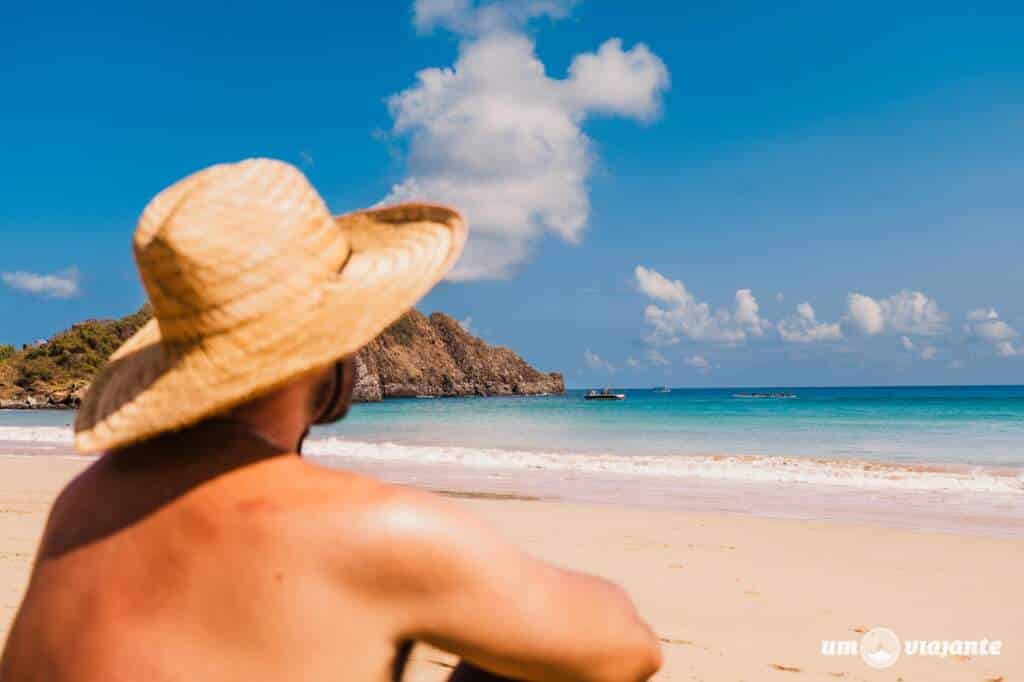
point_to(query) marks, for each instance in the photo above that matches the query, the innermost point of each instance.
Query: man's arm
(457, 585)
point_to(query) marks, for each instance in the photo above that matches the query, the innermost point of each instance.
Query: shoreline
(731, 596)
(911, 473)
(965, 502)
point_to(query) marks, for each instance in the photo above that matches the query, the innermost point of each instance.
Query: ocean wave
(37, 434)
(737, 468)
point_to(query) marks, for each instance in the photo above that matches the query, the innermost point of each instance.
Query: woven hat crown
(233, 243)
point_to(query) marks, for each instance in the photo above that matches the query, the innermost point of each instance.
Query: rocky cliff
(416, 355)
(435, 356)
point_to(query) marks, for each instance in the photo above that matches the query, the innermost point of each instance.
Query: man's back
(156, 570)
(179, 559)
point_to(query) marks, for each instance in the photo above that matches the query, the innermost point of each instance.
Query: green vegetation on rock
(414, 356)
(58, 370)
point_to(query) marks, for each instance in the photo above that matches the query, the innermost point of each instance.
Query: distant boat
(663, 389)
(775, 396)
(605, 394)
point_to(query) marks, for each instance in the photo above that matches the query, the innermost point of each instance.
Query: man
(203, 547)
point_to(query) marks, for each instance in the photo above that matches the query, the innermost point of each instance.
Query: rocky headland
(415, 356)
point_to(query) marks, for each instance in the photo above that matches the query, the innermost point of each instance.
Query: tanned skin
(209, 554)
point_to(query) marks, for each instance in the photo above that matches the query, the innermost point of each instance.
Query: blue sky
(630, 199)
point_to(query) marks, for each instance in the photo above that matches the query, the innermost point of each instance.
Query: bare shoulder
(400, 539)
(387, 508)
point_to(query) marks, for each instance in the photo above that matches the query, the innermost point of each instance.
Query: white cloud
(59, 285)
(632, 362)
(595, 361)
(908, 312)
(804, 327)
(676, 315)
(497, 137)
(982, 314)
(657, 358)
(780, 297)
(467, 325)
(657, 286)
(866, 313)
(991, 329)
(685, 316)
(617, 81)
(927, 352)
(747, 313)
(698, 362)
(465, 17)
(1006, 349)
(954, 364)
(984, 323)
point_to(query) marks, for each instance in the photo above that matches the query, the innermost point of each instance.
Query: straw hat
(252, 284)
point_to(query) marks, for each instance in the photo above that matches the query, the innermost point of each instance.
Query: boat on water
(769, 396)
(663, 389)
(604, 394)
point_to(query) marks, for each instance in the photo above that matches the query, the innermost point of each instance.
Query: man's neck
(280, 418)
(284, 436)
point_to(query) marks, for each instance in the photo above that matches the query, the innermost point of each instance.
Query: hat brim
(397, 254)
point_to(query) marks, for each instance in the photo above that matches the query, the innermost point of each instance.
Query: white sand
(733, 597)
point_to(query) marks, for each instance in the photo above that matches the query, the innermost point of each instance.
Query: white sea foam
(36, 434)
(750, 469)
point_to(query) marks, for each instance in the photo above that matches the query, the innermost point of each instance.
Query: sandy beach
(732, 596)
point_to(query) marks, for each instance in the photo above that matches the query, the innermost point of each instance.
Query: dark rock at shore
(56, 400)
(415, 356)
(435, 356)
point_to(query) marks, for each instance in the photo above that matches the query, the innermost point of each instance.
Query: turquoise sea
(935, 438)
(972, 425)
(980, 425)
